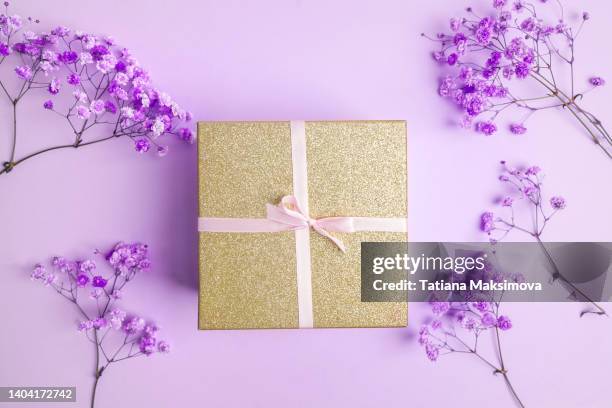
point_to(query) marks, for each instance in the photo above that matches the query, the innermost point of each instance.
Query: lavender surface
(280, 60)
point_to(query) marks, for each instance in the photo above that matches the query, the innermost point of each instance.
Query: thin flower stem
(97, 372)
(512, 390)
(108, 296)
(6, 91)
(574, 109)
(14, 131)
(557, 275)
(10, 165)
(128, 356)
(496, 370)
(499, 350)
(473, 351)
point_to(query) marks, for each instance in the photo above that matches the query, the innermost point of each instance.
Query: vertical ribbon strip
(302, 235)
(291, 214)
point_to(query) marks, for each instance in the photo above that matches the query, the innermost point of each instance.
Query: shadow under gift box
(249, 280)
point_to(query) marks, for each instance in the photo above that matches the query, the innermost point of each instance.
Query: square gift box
(284, 207)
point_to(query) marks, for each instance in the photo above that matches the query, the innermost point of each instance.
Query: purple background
(281, 60)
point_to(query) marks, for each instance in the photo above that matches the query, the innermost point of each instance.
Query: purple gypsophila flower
(110, 107)
(487, 221)
(521, 70)
(469, 323)
(99, 282)
(147, 345)
(100, 323)
(439, 308)
(504, 323)
(98, 52)
(73, 79)
(186, 135)
(97, 107)
(488, 319)
(82, 280)
(597, 81)
(454, 24)
(87, 266)
(85, 325)
(487, 127)
(39, 272)
(116, 318)
(432, 352)
(142, 145)
(48, 104)
(558, 203)
(128, 259)
(54, 86)
(163, 346)
(4, 49)
(24, 72)
(481, 306)
(133, 324)
(68, 57)
(518, 128)
(83, 112)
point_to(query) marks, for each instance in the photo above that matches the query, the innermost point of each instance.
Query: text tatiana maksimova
(480, 285)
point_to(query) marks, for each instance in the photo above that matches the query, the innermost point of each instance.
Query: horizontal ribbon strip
(253, 225)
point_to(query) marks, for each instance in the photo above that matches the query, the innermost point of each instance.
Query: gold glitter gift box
(248, 279)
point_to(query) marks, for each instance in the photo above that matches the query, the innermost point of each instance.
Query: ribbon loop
(289, 212)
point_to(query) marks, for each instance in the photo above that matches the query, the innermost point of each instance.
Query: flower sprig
(117, 335)
(91, 82)
(457, 327)
(526, 185)
(492, 56)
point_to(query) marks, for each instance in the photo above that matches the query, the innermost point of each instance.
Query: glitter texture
(243, 166)
(248, 281)
(355, 168)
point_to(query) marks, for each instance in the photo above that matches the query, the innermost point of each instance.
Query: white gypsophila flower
(158, 127)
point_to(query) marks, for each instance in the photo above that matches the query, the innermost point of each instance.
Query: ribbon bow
(288, 212)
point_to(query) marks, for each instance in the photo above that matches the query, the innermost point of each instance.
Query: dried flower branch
(457, 327)
(493, 56)
(106, 88)
(526, 186)
(116, 335)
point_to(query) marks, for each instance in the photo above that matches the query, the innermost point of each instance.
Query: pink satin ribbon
(288, 212)
(288, 216)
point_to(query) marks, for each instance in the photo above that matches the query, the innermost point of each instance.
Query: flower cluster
(94, 291)
(128, 259)
(490, 56)
(526, 186)
(91, 82)
(442, 334)
(70, 276)
(136, 331)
